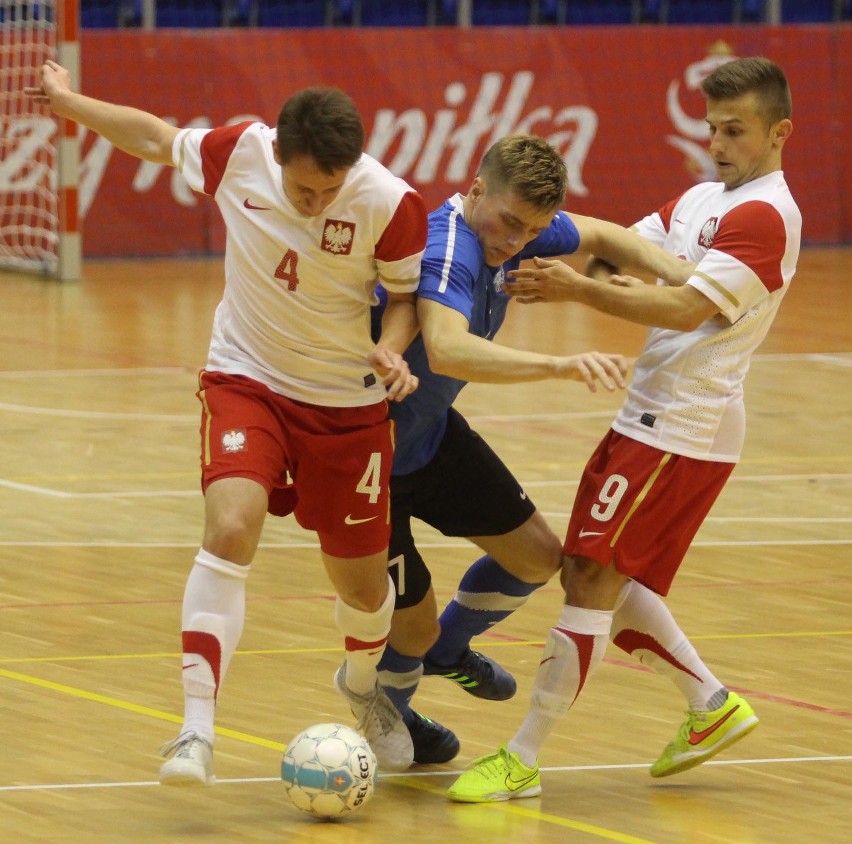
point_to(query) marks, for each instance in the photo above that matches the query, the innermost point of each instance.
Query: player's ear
(275, 151)
(782, 130)
(477, 188)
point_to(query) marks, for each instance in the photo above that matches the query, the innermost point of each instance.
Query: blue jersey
(454, 273)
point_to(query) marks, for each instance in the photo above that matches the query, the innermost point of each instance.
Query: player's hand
(593, 367)
(394, 372)
(545, 281)
(55, 81)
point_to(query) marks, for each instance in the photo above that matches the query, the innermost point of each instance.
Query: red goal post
(39, 155)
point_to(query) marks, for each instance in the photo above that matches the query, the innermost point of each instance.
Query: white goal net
(29, 197)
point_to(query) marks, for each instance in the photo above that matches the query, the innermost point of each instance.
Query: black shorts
(465, 490)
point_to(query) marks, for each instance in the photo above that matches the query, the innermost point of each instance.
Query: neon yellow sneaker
(501, 776)
(704, 734)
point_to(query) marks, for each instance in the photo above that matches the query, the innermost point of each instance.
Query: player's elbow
(442, 363)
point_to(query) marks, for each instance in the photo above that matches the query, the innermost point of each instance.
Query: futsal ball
(329, 770)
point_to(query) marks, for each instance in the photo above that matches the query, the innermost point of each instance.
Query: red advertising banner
(622, 104)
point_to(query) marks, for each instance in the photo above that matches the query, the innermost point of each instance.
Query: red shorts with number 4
(640, 508)
(338, 459)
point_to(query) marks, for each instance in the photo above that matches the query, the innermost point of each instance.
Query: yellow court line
(256, 740)
(533, 814)
(133, 707)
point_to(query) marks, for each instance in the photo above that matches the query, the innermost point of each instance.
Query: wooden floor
(101, 518)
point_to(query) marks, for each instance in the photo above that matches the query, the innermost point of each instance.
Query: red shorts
(640, 508)
(338, 459)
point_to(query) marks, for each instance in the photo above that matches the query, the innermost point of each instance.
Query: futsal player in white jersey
(295, 392)
(652, 480)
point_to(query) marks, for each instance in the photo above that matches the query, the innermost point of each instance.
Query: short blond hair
(528, 167)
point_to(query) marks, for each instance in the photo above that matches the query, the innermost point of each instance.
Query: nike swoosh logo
(191, 665)
(349, 520)
(523, 496)
(583, 533)
(516, 784)
(698, 737)
(247, 204)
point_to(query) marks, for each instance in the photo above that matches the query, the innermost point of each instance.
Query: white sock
(365, 636)
(644, 627)
(575, 647)
(212, 623)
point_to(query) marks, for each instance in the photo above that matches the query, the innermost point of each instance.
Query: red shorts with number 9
(338, 459)
(640, 508)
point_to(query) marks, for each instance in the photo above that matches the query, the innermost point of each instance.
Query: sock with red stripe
(365, 636)
(644, 627)
(212, 622)
(574, 649)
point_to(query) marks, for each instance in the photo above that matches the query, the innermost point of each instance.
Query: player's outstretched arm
(454, 351)
(620, 247)
(138, 133)
(681, 308)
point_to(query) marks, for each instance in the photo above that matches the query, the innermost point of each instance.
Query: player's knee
(587, 583)
(414, 630)
(232, 536)
(541, 559)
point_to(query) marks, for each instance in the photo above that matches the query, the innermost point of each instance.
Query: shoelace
(479, 670)
(492, 762)
(179, 745)
(382, 711)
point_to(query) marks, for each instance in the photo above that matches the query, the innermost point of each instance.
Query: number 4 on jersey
(287, 270)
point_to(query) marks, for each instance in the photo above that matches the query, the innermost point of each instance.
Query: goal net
(33, 201)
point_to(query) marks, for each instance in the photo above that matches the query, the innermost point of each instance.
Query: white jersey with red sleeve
(295, 314)
(686, 396)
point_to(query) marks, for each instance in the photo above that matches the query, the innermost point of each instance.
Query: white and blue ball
(329, 770)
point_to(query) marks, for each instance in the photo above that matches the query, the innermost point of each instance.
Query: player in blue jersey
(444, 473)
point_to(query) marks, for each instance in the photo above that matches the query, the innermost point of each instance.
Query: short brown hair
(323, 123)
(757, 74)
(529, 167)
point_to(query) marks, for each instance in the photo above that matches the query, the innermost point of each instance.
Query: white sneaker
(381, 724)
(191, 764)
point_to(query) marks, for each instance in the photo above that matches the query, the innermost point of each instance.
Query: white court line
(459, 544)
(784, 760)
(85, 373)
(180, 493)
(822, 476)
(97, 414)
(839, 358)
(62, 493)
(843, 358)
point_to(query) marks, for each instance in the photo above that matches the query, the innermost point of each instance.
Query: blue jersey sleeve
(559, 238)
(452, 261)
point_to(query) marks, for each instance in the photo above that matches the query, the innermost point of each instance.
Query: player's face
(743, 146)
(503, 223)
(310, 189)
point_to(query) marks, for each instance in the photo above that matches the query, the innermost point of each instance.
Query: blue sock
(487, 594)
(399, 676)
